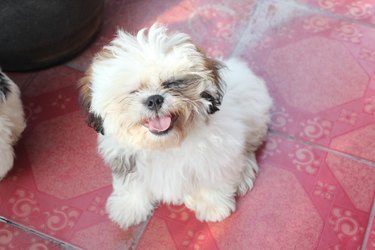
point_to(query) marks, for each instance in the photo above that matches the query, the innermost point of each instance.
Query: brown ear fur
(93, 120)
(215, 98)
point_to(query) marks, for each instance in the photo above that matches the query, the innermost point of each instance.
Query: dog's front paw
(211, 207)
(126, 210)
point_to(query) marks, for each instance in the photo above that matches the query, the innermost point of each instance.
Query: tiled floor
(316, 187)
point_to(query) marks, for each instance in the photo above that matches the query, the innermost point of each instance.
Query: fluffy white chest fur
(175, 126)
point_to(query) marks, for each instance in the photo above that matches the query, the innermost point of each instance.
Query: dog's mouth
(160, 125)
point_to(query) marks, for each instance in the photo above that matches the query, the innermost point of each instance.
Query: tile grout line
(68, 65)
(39, 234)
(28, 83)
(240, 41)
(253, 33)
(326, 149)
(30, 80)
(369, 227)
(141, 232)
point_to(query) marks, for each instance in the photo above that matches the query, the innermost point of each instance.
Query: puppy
(12, 122)
(174, 125)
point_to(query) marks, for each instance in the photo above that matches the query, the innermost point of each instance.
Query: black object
(154, 102)
(39, 33)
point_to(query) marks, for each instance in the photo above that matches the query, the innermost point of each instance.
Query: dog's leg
(248, 175)
(212, 204)
(6, 149)
(130, 203)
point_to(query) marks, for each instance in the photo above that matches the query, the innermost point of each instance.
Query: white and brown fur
(12, 122)
(207, 157)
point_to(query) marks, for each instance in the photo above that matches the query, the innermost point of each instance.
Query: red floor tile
(106, 235)
(320, 72)
(361, 10)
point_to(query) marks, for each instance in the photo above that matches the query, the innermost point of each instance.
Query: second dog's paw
(126, 211)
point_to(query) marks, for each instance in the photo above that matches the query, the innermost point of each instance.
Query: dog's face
(152, 89)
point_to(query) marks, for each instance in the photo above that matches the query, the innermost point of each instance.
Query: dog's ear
(215, 94)
(92, 119)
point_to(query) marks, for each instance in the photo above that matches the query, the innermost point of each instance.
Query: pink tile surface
(320, 72)
(362, 10)
(157, 236)
(14, 238)
(316, 186)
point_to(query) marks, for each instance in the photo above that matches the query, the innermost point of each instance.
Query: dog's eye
(133, 92)
(174, 84)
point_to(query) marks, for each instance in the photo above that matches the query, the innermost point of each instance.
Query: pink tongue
(160, 124)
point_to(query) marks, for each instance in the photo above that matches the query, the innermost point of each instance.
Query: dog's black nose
(154, 102)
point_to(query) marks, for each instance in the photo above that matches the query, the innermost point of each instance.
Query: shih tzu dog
(12, 122)
(174, 125)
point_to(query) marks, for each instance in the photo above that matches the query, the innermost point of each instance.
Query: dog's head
(151, 89)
